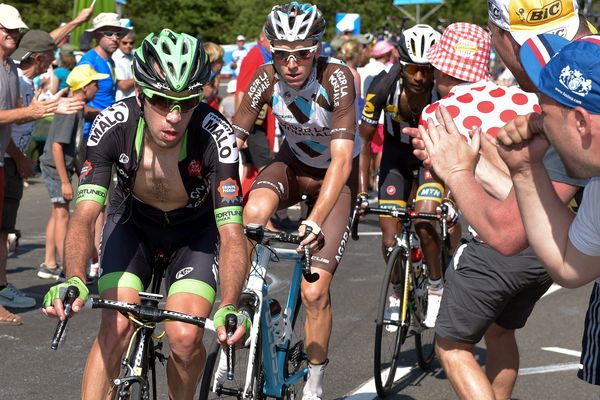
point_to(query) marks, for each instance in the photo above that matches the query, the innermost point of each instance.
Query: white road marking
(549, 368)
(377, 233)
(368, 392)
(560, 350)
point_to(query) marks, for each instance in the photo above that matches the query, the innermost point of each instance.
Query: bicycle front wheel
(390, 334)
(233, 389)
(424, 336)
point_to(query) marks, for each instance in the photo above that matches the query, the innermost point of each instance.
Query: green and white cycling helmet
(294, 22)
(172, 65)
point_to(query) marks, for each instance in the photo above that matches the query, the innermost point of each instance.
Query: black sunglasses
(165, 105)
(111, 34)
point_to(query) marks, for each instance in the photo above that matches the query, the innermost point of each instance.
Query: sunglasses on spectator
(165, 105)
(301, 53)
(111, 34)
(412, 69)
(10, 31)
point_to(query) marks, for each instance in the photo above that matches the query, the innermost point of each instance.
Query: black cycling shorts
(482, 286)
(130, 245)
(396, 176)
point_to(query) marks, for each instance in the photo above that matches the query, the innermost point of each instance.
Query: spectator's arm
(63, 31)
(125, 84)
(90, 112)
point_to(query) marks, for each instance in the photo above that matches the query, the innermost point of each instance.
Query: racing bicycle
(402, 305)
(273, 362)
(144, 347)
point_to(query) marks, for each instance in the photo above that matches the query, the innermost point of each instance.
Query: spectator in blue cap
(567, 244)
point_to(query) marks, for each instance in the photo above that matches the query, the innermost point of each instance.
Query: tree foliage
(220, 21)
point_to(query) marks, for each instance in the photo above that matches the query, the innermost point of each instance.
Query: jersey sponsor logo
(229, 190)
(390, 190)
(200, 193)
(427, 174)
(123, 158)
(304, 130)
(342, 247)
(121, 172)
(369, 107)
(340, 86)
(113, 115)
(91, 192)
(194, 168)
(86, 169)
(222, 133)
(257, 88)
(183, 272)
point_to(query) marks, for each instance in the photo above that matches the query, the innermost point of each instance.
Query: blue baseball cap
(567, 72)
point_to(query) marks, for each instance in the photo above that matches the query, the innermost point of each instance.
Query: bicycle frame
(273, 353)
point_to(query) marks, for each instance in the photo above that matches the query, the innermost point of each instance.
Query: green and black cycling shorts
(130, 244)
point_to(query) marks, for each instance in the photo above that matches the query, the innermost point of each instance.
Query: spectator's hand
(67, 191)
(84, 15)
(42, 108)
(447, 148)
(522, 142)
(24, 167)
(419, 146)
(68, 105)
(489, 150)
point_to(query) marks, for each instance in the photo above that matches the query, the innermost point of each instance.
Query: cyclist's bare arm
(335, 179)
(233, 268)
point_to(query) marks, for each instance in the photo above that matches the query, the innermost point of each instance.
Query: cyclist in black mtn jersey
(178, 192)
(401, 94)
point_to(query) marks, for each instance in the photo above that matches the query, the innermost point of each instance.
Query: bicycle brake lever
(310, 277)
(70, 297)
(230, 327)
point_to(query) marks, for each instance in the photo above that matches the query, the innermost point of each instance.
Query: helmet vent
(166, 49)
(171, 69)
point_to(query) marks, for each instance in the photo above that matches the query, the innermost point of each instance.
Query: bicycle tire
(241, 366)
(296, 358)
(424, 336)
(388, 341)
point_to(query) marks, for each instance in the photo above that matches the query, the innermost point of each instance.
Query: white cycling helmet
(414, 43)
(294, 21)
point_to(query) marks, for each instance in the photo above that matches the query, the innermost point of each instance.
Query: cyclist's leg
(395, 184)
(124, 273)
(191, 283)
(316, 296)
(274, 188)
(429, 195)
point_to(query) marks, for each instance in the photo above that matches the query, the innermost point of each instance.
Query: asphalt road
(31, 370)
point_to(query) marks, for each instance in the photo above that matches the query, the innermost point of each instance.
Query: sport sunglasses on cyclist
(301, 53)
(412, 69)
(166, 105)
(111, 34)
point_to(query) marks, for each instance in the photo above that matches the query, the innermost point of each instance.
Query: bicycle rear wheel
(424, 336)
(233, 389)
(389, 335)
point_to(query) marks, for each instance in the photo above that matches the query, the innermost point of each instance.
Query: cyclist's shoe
(10, 296)
(434, 299)
(46, 272)
(392, 312)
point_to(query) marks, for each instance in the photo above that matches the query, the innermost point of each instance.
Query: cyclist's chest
(165, 182)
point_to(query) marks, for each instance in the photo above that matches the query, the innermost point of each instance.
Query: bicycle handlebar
(401, 213)
(263, 236)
